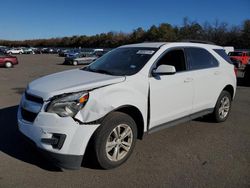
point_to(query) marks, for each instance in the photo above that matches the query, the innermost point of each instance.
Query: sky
(34, 19)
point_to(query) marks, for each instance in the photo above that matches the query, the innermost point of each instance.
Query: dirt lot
(194, 154)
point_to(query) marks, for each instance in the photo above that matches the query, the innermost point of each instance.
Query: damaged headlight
(68, 104)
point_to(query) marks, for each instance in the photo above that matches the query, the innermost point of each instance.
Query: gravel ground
(194, 154)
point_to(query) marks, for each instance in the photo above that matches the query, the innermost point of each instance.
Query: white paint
(171, 97)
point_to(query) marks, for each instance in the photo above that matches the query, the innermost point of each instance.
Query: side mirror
(164, 70)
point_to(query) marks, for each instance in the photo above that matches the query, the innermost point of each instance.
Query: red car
(242, 56)
(7, 60)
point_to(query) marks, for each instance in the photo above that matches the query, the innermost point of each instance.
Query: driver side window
(175, 58)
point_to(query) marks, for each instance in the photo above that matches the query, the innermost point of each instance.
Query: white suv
(132, 90)
(15, 51)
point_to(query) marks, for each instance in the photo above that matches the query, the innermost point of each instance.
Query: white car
(15, 51)
(132, 90)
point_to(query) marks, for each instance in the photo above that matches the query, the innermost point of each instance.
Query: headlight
(69, 104)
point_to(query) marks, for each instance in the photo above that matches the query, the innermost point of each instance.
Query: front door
(171, 96)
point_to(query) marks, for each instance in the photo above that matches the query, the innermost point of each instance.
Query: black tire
(103, 135)
(217, 116)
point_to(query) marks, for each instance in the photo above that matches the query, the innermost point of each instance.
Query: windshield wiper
(104, 72)
(98, 71)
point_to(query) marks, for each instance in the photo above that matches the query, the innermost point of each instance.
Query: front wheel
(222, 107)
(114, 141)
(8, 64)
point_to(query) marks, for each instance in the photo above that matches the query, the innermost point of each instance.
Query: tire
(223, 107)
(110, 133)
(8, 64)
(75, 63)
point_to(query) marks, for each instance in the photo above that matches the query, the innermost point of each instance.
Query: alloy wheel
(119, 142)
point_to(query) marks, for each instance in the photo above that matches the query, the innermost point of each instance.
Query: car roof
(146, 45)
(160, 44)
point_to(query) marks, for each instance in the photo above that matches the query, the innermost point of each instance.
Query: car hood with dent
(70, 81)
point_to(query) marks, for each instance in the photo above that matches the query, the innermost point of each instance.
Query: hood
(70, 81)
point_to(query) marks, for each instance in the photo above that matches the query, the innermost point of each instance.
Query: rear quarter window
(223, 54)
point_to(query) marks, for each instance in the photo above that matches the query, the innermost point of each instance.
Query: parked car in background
(37, 50)
(242, 56)
(241, 59)
(73, 53)
(3, 49)
(99, 53)
(7, 60)
(132, 90)
(63, 52)
(15, 51)
(83, 58)
(74, 58)
(28, 51)
(49, 50)
(98, 50)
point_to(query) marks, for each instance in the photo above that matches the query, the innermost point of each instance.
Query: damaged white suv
(132, 90)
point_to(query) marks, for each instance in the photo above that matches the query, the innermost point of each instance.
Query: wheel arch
(136, 114)
(230, 89)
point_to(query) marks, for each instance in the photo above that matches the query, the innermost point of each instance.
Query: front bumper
(46, 125)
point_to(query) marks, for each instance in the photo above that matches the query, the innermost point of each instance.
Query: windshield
(122, 61)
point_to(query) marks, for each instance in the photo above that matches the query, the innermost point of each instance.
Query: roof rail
(197, 41)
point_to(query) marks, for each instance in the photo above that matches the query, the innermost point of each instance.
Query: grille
(33, 98)
(27, 115)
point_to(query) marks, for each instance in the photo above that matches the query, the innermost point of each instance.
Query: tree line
(219, 33)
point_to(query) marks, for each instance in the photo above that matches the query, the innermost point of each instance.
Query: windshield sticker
(147, 52)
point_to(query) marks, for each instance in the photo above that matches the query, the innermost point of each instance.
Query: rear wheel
(223, 107)
(8, 64)
(114, 141)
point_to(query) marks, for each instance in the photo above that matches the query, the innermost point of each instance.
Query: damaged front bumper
(62, 139)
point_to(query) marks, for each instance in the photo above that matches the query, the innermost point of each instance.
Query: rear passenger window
(199, 58)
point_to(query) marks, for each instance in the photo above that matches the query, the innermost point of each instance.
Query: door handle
(188, 80)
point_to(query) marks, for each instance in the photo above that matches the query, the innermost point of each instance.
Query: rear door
(207, 78)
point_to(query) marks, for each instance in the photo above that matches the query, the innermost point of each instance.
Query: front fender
(106, 99)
